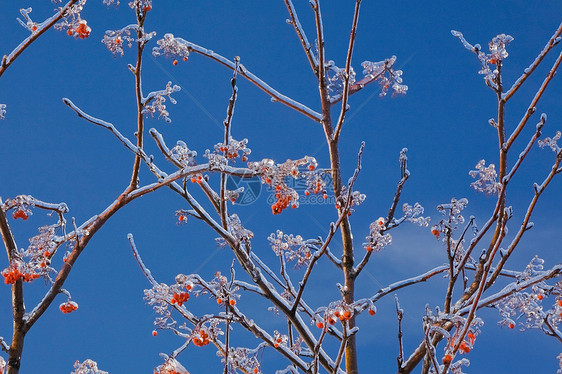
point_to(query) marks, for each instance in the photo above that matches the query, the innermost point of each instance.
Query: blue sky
(443, 120)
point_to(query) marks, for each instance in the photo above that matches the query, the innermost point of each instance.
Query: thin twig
(399, 315)
(275, 95)
(302, 36)
(41, 28)
(345, 93)
(534, 102)
(527, 73)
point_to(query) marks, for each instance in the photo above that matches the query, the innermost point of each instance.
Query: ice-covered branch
(514, 287)
(526, 220)
(404, 283)
(312, 60)
(532, 107)
(170, 44)
(554, 40)
(345, 92)
(39, 30)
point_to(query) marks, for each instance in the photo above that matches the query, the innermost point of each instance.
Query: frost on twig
(377, 239)
(486, 178)
(170, 46)
(154, 102)
(497, 54)
(291, 247)
(28, 24)
(552, 143)
(170, 366)
(336, 78)
(532, 306)
(115, 39)
(2, 111)
(87, 367)
(386, 75)
(236, 229)
(246, 359)
(183, 155)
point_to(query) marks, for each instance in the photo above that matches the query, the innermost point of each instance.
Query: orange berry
(511, 325)
(471, 338)
(219, 301)
(311, 167)
(347, 314)
(46, 253)
(276, 345)
(319, 325)
(175, 62)
(331, 321)
(118, 40)
(493, 60)
(368, 248)
(181, 217)
(147, 8)
(154, 333)
(540, 296)
(232, 302)
(372, 312)
(307, 192)
(69, 32)
(560, 302)
(294, 206)
(34, 28)
(348, 213)
(447, 359)
(184, 59)
(256, 370)
(435, 233)
(324, 196)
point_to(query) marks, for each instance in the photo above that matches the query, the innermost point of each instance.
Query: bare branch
(312, 60)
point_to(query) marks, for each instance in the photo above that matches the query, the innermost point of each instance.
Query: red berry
(154, 333)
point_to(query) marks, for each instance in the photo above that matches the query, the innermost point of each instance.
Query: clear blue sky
(51, 154)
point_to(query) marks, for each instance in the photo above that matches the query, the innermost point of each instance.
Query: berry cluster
(12, 274)
(68, 307)
(276, 176)
(200, 338)
(179, 298)
(20, 213)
